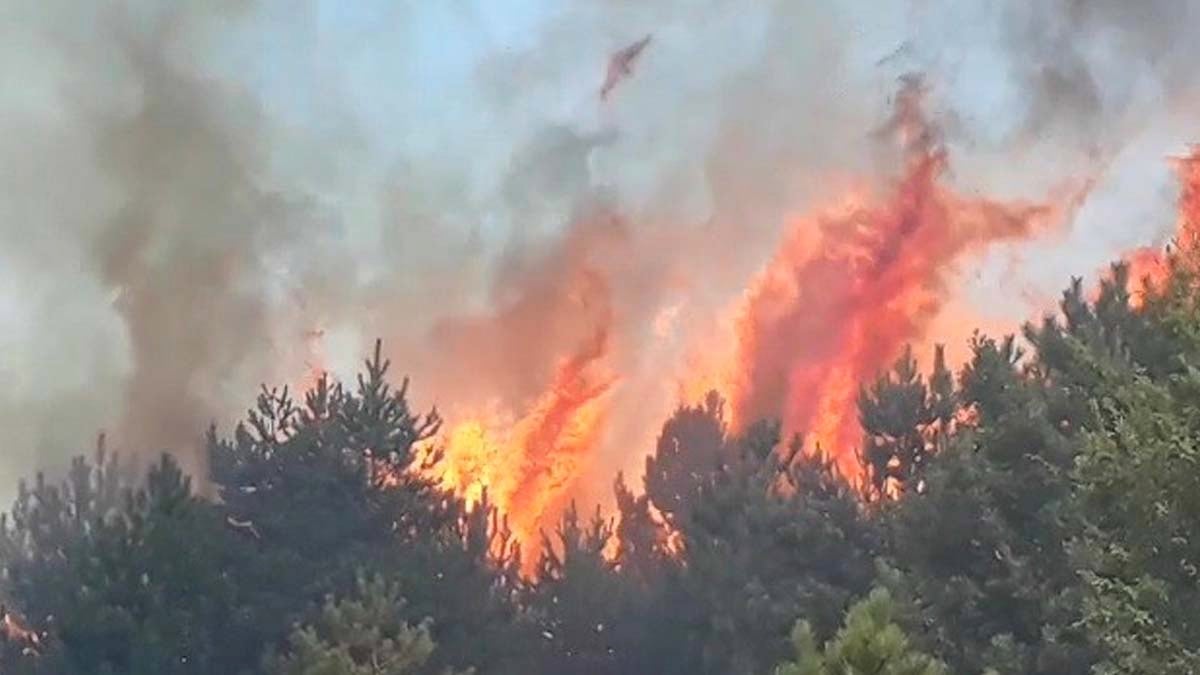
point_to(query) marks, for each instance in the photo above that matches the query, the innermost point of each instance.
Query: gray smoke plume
(1038, 91)
(188, 190)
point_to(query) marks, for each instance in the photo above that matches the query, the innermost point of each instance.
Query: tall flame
(1187, 232)
(848, 286)
(528, 467)
(851, 285)
(1148, 267)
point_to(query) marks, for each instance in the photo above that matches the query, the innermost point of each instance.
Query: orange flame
(1187, 233)
(314, 362)
(850, 286)
(1148, 269)
(528, 468)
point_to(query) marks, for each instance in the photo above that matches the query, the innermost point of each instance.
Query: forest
(1033, 512)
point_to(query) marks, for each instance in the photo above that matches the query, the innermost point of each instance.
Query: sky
(184, 191)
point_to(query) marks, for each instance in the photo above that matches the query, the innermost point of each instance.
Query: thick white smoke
(187, 189)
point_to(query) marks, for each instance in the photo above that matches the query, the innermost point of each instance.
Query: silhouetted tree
(773, 536)
(336, 486)
(147, 587)
(982, 550)
(578, 598)
(643, 546)
(904, 422)
(691, 449)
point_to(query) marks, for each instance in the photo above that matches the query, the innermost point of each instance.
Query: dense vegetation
(1033, 513)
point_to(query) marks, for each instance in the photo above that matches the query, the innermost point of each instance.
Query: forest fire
(528, 468)
(527, 460)
(1148, 268)
(1187, 230)
(851, 286)
(599, 338)
(845, 291)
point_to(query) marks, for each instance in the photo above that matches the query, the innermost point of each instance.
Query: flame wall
(194, 200)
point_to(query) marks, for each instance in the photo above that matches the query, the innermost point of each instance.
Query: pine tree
(774, 535)
(981, 552)
(579, 599)
(1139, 554)
(643, 548)
(869, 643)
(144, 588)
(691, 449)
(338, 485)
(359, 635)
(904, 421)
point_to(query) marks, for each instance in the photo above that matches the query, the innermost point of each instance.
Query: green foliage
(904, 421)
(360, 635)
(981, 552)
(1036, 515)
(579, 598)
(869, 643)
(776, 534)
(331, 488)
(691, 449)
(142, 588)
(49, 522)
(1139, 479)
(330, 477)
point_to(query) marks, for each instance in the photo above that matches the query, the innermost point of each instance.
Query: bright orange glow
(472, 460)
(314, 364)
(852, 285)
(529, 467)
(534, 372)
(1147, 271)
(1187, 232)
(1148, 268)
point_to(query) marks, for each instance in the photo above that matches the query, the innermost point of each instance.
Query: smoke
(147, 204)
(196, 199)
(1040, 91)
(1091, 66)
(850, 287)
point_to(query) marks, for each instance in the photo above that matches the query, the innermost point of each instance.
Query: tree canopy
(1034, 512)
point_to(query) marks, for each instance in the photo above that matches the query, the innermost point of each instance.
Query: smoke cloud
(189, 192)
